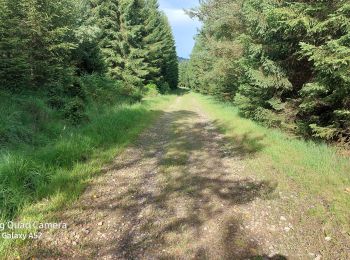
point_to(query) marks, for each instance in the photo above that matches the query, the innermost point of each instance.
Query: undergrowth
(46, 161)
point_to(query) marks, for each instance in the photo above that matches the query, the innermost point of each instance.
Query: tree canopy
(283, 63)
(45, 43)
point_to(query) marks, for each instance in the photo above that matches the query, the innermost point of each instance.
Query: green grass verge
(37, 181)
(316, 168)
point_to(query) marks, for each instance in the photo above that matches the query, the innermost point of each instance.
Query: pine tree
(14, 43)
(37, 42)
(184, 75)
(160, 44)
(88, 56)
(134, 52)
(46, 44)
(325, 106)
(154, 41)
(199, 66)
(283, 63)
(51, 39)
(106, 16)
(169, 68)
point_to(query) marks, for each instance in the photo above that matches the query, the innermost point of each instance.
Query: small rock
(100, 223)
(287, 229)
(74, 243)
(283, 218)
(319, 257)
(273, 255)
(328, 239)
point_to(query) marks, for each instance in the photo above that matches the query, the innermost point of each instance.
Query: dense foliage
(284, 63)
(46, 48)
(70, 63)
(46, 44)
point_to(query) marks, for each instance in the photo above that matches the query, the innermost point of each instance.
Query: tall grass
(49, 168)
(316, 168)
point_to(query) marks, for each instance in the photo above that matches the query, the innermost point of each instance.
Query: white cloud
(179, 17)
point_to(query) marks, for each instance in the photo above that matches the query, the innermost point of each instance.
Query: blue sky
(184, 28)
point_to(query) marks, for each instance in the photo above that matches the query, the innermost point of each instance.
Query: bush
(74, 111)
(136, 95)
(38, 111)
(75, 89)
(151, 90)
(267, 117)
(164, 88)
(55, 97)
(21, 117)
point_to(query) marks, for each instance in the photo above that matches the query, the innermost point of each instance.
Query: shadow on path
(175, 194)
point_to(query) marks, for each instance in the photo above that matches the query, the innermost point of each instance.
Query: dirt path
(178, 193)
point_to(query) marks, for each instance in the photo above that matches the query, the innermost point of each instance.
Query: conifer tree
(37, 41)
(46, 44)
(154, 41)
(283, 63)
(184, 75)
(106, 16)
(170, 69)
(14, 42)
(88, 56)
(134, 52)
(51, 39)
(162, 57)
(325, 106)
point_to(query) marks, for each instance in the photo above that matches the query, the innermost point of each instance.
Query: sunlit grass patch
(314, 167)
(36, 183)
